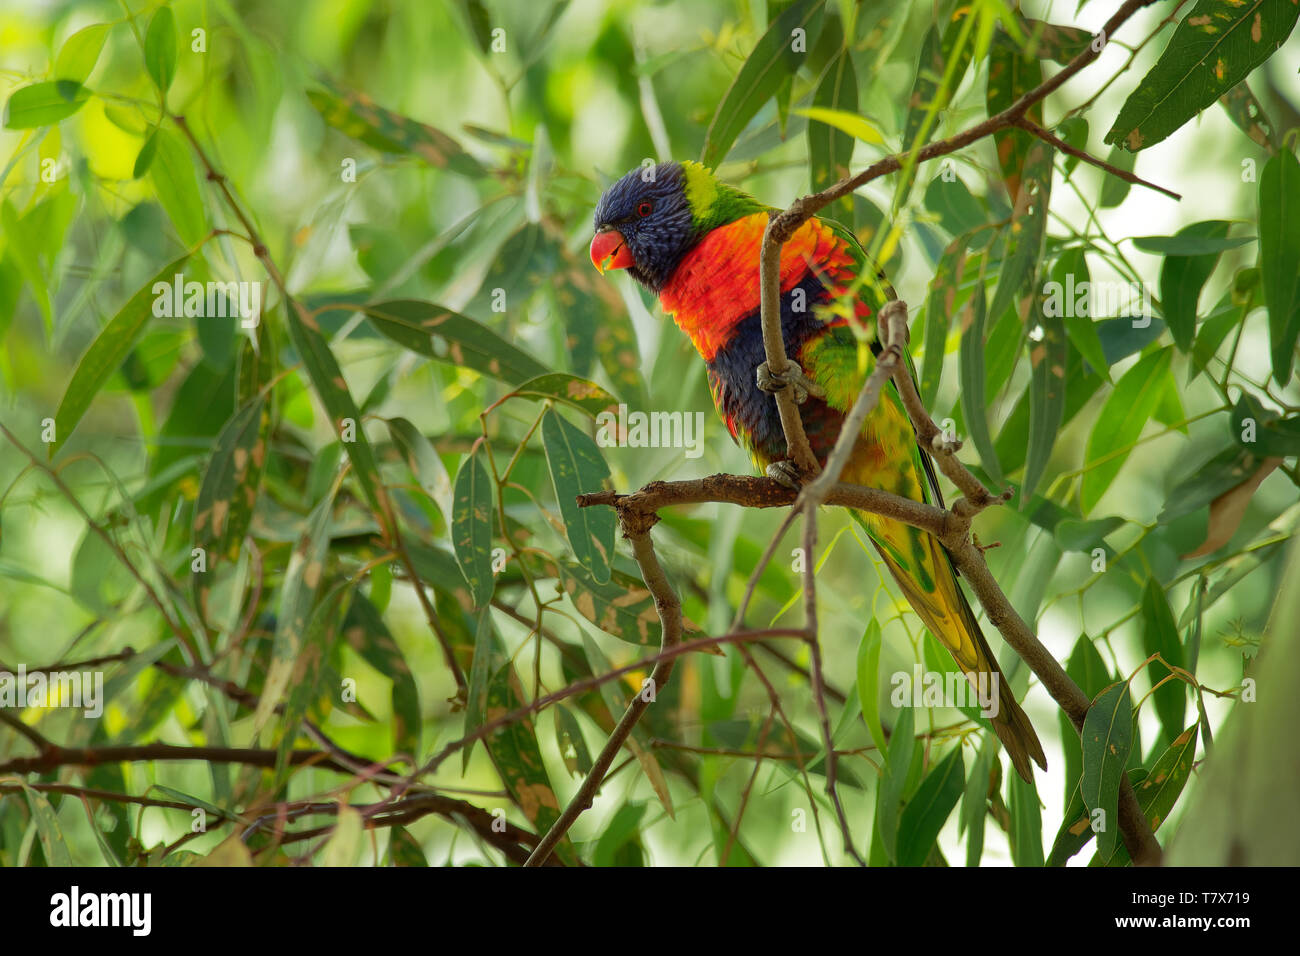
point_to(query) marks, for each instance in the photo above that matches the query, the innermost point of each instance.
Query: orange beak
(609, 251)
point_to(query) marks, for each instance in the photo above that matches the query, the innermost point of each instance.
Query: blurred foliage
(343, 519)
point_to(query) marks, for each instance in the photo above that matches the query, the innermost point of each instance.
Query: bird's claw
(785, 473)
(793, 377)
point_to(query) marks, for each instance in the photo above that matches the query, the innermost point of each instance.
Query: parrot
(693, 241)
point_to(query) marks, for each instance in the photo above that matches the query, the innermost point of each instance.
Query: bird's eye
(644, 209)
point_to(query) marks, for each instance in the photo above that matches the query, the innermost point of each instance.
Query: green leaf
(834, 125)
(302, 582)
(53, 845)
(228, 493)
(1198, 239)
(106, 354)
(307, 681)
(1076, 830)
(938, 59)
(1268, 436)
(144, 159)
(473, 508)
(1181, 280)
(425, 463)
(959, 212)
(577, 468)
(904, 751)
(1249, 116)
(1279, 255)
(621, 830)
(971, 365)
(174, 180)
(868, 683)
(1158, 791)
(1107, 739)
(1160, 635)
(44, 104)
(940, 305)
(1079, 327)
(404, 849)
(974, 801)
(778, 54)
(1215, 46)
(929, 808)
(1113, 189)
(568, 736)
(417, 325)
(332, 390)
(487, 661)
(367, 634)
(518, 758)
(160, 48)
(621, 606)
(1010, 75)
(1047, 40)
(1128, 408)
(1026, 232)
(1026, 836)
(1047, 357)
(80, 53)
(580, 393)
(356, 115)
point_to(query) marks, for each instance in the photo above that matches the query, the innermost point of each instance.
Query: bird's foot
(793, 377)
(785, 473)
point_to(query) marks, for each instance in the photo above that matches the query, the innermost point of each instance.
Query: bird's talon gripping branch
(785, 473)
(792, 377)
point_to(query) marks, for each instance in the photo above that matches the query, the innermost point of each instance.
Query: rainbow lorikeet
(694, 241)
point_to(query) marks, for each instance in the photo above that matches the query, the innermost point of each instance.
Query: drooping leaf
(367, 634)
(1026, 836)
(833, 127)
(416, 325)
(44, 104)
(973, 404)
(1213, 49)
(929, 808)
(1160, 635)
(473, 511)
(1279, 254)
(1127, 410)
(778, 54)
(356, 115)
(80, 52)
(577, 467)
(107, 353)
(1047, 357)
(940, 305)
(1181, 280)
(579, 393)
(1107, 739)
(172, 173)
(160, 48)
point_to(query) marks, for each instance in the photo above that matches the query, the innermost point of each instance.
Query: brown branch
(669, 609)
(56, 756)
(1029, 126)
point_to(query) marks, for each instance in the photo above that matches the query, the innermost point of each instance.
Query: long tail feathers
(948, 615)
